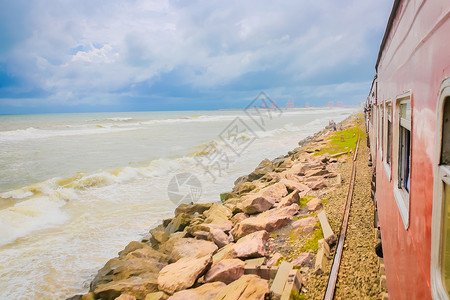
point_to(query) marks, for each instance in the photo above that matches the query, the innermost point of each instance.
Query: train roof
(394, 10)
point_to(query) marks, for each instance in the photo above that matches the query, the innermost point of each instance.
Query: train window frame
(401, 194)
(380, 130)
(376, 126)
(388, 138)
(441, 178)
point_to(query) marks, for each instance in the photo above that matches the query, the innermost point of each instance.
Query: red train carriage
(408, 120)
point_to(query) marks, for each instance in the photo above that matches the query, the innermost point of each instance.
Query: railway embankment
(268, 236)
(359, 276)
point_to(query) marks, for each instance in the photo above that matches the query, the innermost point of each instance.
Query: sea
(76, 188)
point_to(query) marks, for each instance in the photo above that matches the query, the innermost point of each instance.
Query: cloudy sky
(125, 55)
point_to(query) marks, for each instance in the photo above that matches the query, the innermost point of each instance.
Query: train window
(445, 161)
(445, 153)
(404, 151)
(387, 140)
(402, 155)
(446, 239)
(382, 129)
(440, 226)
(388, 133)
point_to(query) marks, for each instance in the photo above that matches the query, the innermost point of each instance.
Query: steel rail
(332, 279)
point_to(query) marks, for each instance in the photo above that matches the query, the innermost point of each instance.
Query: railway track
(332, 279)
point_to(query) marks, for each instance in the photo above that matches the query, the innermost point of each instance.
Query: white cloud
(122, 43)
(104, 54)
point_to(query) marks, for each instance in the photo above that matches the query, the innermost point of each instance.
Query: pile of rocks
(201, 252)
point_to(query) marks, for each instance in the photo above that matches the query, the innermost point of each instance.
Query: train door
(440, 231)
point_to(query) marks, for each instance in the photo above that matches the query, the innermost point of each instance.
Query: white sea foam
(193, 119)
(30, 215)
(33, 133)
(114, 119)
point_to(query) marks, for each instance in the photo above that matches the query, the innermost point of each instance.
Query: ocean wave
(34, 133)
(30, 215)
(192, 119)
(41, 205)
(114, 119)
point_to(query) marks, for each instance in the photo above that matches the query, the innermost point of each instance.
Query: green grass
(281, 259)
(337, 145)
(303, 200)
(312, 243)
(223, 196)
(297, 296)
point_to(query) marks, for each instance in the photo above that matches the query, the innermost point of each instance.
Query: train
(407, 115)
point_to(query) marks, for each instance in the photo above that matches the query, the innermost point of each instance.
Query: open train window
(380, 130)
(404, 151)
(402, 146)
(440, 227)
(388, 138)
(445, 249)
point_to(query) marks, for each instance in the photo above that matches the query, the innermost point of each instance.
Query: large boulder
(275, 191)
(167, 246)
(317, 172)
(136, 267)
(218, 216)
(138, 287)
(217, 211)
(256, 203)
(303, 260)
(314, 204)
(219, 237)
(294, 185)
(126, 297)
(190, 247)
(304, 222)
(201, 235)
(251, 245)
(132, 246)
(264, 167)
(295, 169)
(192, 208)
(264, 199)
(182, 274)
(238, 218)
(224, 253)
(241, 180)
(270, 178)
(147, 253)
(192, 229)
(204, 292)
(158, 235)
(248, 287)
(227, 271)
(317, 185)
(274, 260)
(281, 163)
(137, 258)
(179, 223)
(289, 199)
(157, 296)
(247, 187)
(224, 225)
(269, 221)
(105, 274)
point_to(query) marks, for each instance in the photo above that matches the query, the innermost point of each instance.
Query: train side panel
(414, 62)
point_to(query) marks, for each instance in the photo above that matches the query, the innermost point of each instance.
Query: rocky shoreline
(220, 250)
